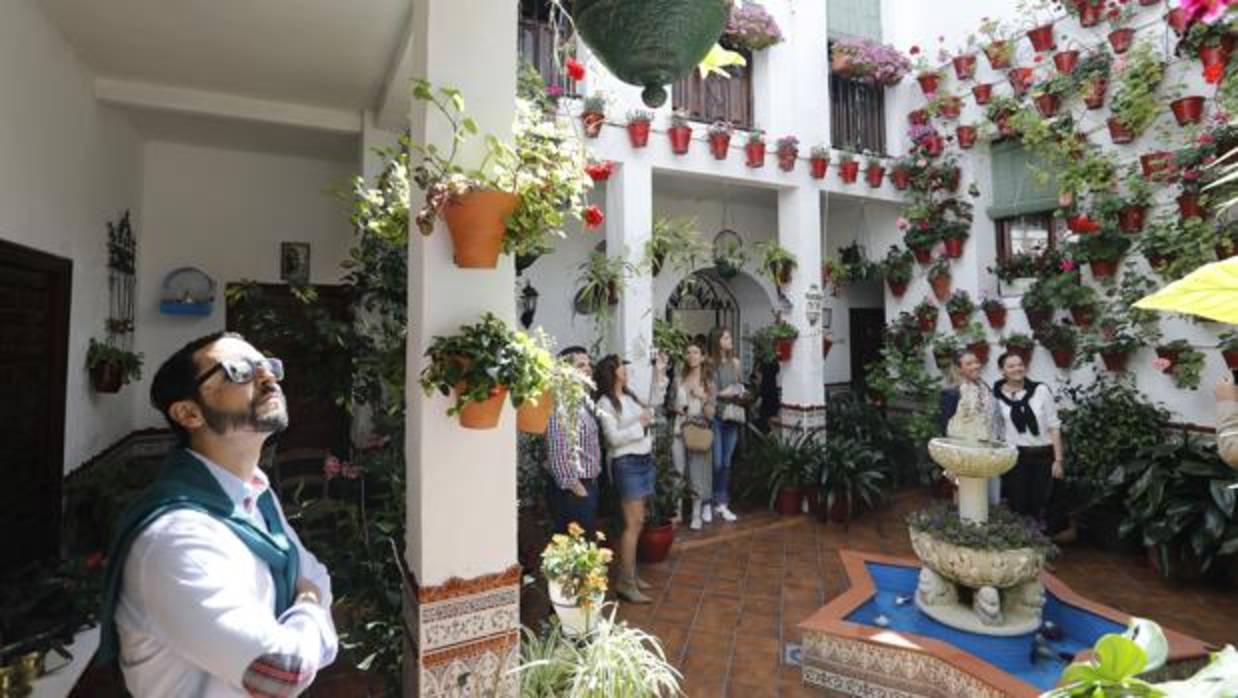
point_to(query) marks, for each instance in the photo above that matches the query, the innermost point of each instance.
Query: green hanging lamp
(651, 43)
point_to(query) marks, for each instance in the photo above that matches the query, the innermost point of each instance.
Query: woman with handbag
(732, 398)
(694, 401)
(625, 424)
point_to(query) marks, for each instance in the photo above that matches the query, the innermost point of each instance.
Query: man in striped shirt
(574, 457)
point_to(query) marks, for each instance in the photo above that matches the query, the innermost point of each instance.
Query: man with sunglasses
(209, 592)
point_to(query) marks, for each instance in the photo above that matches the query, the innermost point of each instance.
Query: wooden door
(867, 326)
(34, 346)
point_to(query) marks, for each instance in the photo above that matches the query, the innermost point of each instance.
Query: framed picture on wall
(294, 262)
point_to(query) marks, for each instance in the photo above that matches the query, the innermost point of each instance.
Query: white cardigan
(625, 436)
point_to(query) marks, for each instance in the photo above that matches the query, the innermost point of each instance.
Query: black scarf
(1021, 414)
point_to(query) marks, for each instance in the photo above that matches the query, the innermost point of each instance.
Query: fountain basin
(974, 567)
(967, 458)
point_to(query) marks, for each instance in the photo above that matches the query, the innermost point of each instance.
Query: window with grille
(717, 98)
(1032, 233)
(535, 43)
(857, 115)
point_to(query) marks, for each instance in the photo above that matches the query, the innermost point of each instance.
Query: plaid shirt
(566, 464)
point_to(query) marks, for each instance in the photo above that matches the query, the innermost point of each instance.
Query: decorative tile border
(864, 669)
(801, 417)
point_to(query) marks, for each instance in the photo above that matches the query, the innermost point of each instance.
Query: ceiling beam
(391, 112)
(129, 93)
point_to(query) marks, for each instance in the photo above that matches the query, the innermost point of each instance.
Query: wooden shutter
(1016, 188)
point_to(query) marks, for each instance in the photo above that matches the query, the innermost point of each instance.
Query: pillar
(629, 225)
(461, 604)
(802, 378)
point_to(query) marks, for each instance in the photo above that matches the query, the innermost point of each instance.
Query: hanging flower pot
(593, 121)
(533, 419)
(1063, 358)
(1188, 206)
(951, 108)
(1082, 315)
(1168, 354)
(966, 136)
(1118, 132)
(1042, 38)
(1217, 54)
(897, 288)
(786, 159)
(918, 117)
(900, 178)
(107, 376)
(817, 167)
(476, 222)
(600, 171)
(996, 317)
(941, 287)
(1115, 361)
(1231, 359)
(484, 414)
(964, 66)
(928, 323)
(998, 53)
(1089, 13)
(612, 293)
(954, 247)
(719, 145)
(848, 171)
(1020, 79)
(654, 544)
(1177, 20)
(924, 255)
(1103, 268)
(1120, 39)
(933, 145)
(875, 174)
(754, 154)
(1188, 110)
(1038, 317)
(1047, 104)
(983, 93)
(959, 320)
(784, 347)
(1066, 61)
(681, 138)
(1155, 164)
(1094, 93)
(928, 83)
(782, 271)
(1130, 219)
(1160, 261)
(826, 344)
(980, 349)
(638, 133)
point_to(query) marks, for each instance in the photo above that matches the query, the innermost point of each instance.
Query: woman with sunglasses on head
(1029, 412)
(694, 403)
(625, 424)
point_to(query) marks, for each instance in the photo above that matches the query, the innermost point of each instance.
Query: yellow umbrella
(1210, 291)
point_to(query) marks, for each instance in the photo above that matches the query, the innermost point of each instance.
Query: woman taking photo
(1031, 424)
(625, 425)
(694, 402)
(731, 395)
(969, 410)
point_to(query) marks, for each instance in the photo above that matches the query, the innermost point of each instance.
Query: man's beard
(221, 421)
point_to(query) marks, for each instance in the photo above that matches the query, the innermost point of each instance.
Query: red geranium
(1214, 73)
(575, 69)
(593, 216)
(600, 170)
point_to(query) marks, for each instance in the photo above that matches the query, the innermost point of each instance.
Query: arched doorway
(701, 302)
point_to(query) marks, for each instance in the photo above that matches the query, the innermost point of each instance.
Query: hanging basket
(638, 133)
(1065, 61)
(964, 66)
(107, 377)
(681, 138)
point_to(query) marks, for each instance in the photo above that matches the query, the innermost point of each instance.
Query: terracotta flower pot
(1063, 358)
(1159, 262)
(964, 66)
(654, 543)
(1217, 54)
(107, 377)
(719, 145)
(1103, 268)
(1024, 353)
(998, 55)
(1118, 132)
(681, 138)
(966, 136)
(928, 323)
(982, 93)
(1082, 315)
(1188, 206)
(817, 167)
(900, 178)
(1188, 110)
(1004, 127)
(954, 247)
(875, 174)
(826, 344)
(848, 171)
(1130, 219)
(933, 145)
(784, 349)
(1184, 564)
(1066, 60)
(593, 121)
(477, 224)
(928, 83)
(918, 117)
(941, 287)
(786, 159)
(638, 133)
(1120, 39)
(1042, 38)
(1231, 359)
(1094, 93)
(790, 501)
(996, 318)
(951, 108)
(533, 419)
(1170, 355)
(1115, 361)
(924, 255)
(484, 414)
(981, 350)
(898, 288)
(1047, 104)
(1176, 19)
(1037, 318)
(754, 154)
(1155, 164)
(1020, 79)
(1089, 14)
(958, 320)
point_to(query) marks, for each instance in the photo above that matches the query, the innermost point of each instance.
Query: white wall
(226, 212)
(67, 166)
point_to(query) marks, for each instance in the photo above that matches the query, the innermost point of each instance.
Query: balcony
(716, 98)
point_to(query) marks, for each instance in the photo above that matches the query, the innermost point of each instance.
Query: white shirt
(1043, 406)
(197, 606)
(625, 435)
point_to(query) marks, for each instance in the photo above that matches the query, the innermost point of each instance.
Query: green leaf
(1119, 657)
(469, 125)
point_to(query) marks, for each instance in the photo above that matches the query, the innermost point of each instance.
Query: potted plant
(1120, 35)
(784, 335)
(1088, 12)
(926, 314)
(982, 92)
(874, 171)
(788, 150)
(1048, 95)
(999, 50)
(927, 74)
(536, 377)
(754, 149)
(939, 277)
(954, 234)
(638, 127)
(999, 112)
(851, 471)
(865, 60)
(1188, 110)
(897, 269)
(849, 266)
(112, 367)
(965, 135)
(1038, 305)
(1102, 252)
(783, 463)
(900, 174)
(819, 161)
(975, 341)
(1135, 204)
(720, 138)
(1213, 42)
(674, 240)
(593, 114)
(1136, 103)
(920, 240)
(964, 60)
(750, 27)
(1082, 302)
(1020, 79)
(670, 340)
(777, 262)
(1018, 271)
(1061, 339)
(1041, 37)
(1180, 361)
(1021, 344)
(994, 312)
(848, 168)
(477, 366)
(959, 307)
(1092, 74)
(945, 106)
(1114, 350)
(729, 258)
(601, 281)
(946, 349)
(576, 574)
(670, 489)
(1229, 348)
(680, 132)
(1066, 60)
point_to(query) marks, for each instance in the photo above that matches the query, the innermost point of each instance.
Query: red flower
(575, 69)
(1083, 224)
(915, 51)
(1214, 73)
(94, 560)
(593, 216)
(1039, 57)
(1067, 265)
(599, 171)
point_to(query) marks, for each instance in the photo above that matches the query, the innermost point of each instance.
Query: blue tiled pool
(1013, 655)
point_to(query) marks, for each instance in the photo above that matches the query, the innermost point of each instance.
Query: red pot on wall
(1038, 318)
(1115, 360)
(998, 55)
(941, 287)
(786, 159)
(928, 323)
(981, 350)
(1020, 79)
(1188, 110)
(918, 117)
(1042, 38)
(817, 167)
(933, 145)
(1047, 104)
(964, 66)
(928, 83)
(826, 343)
(1066, 60)
(1130, 219)
(107, 377)
(1063, 358)
(1188, 206)
(924, 255)
(1231, 359)
(951, 108)
(1119, 133)
(897, 288)
(1159, 262)
(1120, 39)
(983, 93)
(719, 145)
(900, 178)
(784, 349)
(959, 320)
(1082, 315)
(954, 247)
(1103, 268)
(996, 318)
(1094, 93)
(1155, 164)
(593, 121)
(1170, 355)
(1089, 14)
(1177, 20)
(638, 133)
(1218, 54)
(875, 174)
(754, 154)
(966, 136)
(848, 171)
(681, 138)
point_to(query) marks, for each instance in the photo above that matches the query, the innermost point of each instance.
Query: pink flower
(554, 91)
(331, 467)
(1207, 11)
(1206, 138)
(1161, 365)
(901, 223)
(915, 51)
(1067, 265)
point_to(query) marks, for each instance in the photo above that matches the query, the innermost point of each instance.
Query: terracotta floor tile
(723, 601)
(677, 596)
(702, 686)
(688, 580)
(727, 586)
(679, 615)
(745, 690)
(714, 619)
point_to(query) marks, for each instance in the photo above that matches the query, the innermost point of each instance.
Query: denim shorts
(634, 476)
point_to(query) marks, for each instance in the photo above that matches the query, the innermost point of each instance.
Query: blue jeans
(726, 435)
(567, 507)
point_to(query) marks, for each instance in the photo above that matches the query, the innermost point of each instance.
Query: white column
(802, 378)
(629, 224)
(462, 600)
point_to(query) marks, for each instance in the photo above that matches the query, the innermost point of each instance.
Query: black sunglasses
(242, 370)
